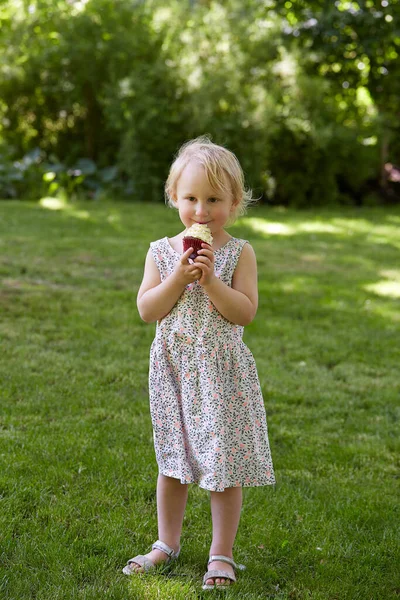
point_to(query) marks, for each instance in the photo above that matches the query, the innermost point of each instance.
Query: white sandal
(148, 564)
(214, 573)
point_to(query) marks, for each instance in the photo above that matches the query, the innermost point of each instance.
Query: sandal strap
(225, 559)
(216, 573)
(170, 552)
(140, 560)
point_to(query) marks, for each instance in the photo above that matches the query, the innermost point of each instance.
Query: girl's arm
(155, 298)
(239, 303)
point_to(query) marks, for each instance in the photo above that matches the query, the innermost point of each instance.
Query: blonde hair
(217, 162)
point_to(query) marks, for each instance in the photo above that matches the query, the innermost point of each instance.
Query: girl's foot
(156, 557)
(160, 553)
(217, 565)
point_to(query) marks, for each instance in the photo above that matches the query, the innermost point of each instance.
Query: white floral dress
(206, 404)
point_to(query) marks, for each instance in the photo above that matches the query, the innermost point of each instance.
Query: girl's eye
(190, 198)
(213, 200)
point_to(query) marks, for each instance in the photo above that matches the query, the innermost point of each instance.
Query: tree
(356, 46)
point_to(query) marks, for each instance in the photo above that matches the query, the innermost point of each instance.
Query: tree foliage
(306, 93)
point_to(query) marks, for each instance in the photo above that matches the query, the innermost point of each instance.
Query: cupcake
(195, 236)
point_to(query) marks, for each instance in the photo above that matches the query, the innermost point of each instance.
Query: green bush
(99, 96)
(37, 175)
(310, 173)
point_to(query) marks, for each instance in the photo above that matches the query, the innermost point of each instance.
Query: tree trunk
(384, 158)
(92, 122)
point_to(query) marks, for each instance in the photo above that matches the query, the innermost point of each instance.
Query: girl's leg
(225, 512)
(171, 503)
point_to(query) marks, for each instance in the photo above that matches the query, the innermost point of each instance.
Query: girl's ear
(234, 205)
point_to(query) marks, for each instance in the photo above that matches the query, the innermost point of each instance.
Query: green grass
(77, 468)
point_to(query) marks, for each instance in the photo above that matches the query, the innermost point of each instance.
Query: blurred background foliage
(96, 96)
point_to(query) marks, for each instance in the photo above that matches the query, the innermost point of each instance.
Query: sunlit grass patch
(77, 466)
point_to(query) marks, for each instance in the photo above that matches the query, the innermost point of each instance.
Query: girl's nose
(201, 209)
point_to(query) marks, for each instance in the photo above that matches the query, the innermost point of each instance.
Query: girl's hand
(205, 261)
(185, 272)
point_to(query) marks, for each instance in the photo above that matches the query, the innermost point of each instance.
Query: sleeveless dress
(206, 405)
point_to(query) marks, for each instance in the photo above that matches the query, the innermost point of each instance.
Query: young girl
(205, 399)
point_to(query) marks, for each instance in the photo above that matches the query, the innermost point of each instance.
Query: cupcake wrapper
(191, 242)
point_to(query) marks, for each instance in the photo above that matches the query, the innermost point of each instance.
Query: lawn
(77, 467)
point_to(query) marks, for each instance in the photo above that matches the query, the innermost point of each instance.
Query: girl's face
(198, 202)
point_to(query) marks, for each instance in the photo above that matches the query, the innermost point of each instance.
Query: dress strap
(161, 255)
(237, 251)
